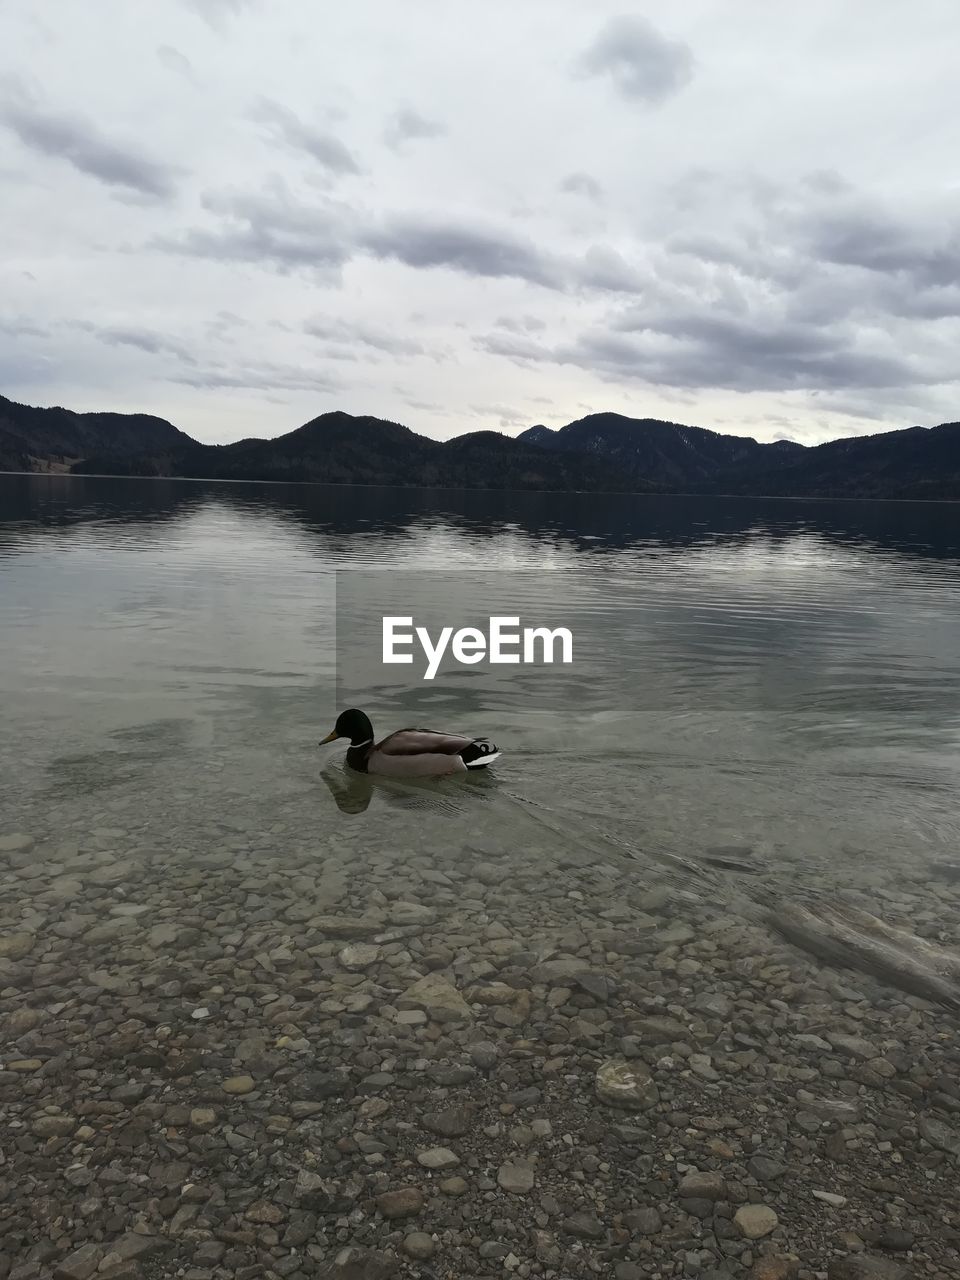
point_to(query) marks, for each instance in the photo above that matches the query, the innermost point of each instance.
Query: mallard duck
(409, 753)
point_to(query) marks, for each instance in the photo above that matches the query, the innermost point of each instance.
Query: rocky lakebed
(276, 1057)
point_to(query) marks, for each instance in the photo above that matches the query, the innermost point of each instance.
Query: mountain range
(603, 451)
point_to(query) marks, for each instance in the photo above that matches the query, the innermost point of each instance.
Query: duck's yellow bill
(329, 738)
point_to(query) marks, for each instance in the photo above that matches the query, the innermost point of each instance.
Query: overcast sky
(240, 214)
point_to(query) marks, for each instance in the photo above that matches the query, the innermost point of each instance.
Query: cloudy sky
(239, 214)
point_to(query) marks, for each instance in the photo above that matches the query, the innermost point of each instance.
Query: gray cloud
(522, 324)
(800, 326)
(406, 125)
(699, 349)
(936, 302)
(345, 333)
(20, 327)
(326, 149)
(80, 143)
(515, 347)
(583, 185)
(277, 228)
(269, 229)
(820, 223)
(873, 239)
(226, 322)
(606, 269)
(709, 247)
(475, 251)
(643, 64)
(216, 12)
(24, 368)
(506, 415)
(818, 254)
(847, 405)
(177, 62)
(261, 376)
(146, 339)
(274, 229)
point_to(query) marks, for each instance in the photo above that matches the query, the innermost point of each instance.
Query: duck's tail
(480, 753)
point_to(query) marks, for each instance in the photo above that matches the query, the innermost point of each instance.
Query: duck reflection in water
(353, 792)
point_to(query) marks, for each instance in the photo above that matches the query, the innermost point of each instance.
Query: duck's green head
(352, 724)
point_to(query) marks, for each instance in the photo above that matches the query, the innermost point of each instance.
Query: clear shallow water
(776, 679)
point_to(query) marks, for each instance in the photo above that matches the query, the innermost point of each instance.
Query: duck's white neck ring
(366, 742)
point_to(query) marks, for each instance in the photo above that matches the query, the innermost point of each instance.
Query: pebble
(701, 1066)
(646, 1222)
(21, 1021)
(852, 1046)
(419, 1245)
(939, 1135)
(265, 1213)
(351, 1263)
(451, 1122)
(484, 1055)
(703, 1186)
(586, 1226)
(16, 946)
(626, 1084)
(516, 1178)
(772, 1268)
(438, 999)
(239, 1085)
(81, 1264)
(54, 1126)
(861, 1267)
(830, 1197)
(15, 842)
(411, 913)
(766, 1170)
(359, 956)
(755, 1221)
(405, 1202)
(438, 1158)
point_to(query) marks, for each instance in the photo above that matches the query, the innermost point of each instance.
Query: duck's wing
(426, 764)
(418, 753)
(423, 753)
(415, 742)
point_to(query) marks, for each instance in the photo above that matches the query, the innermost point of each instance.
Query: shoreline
(579, 493)
(262, 1064)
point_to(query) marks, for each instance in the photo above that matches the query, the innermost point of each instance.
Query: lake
(696, 935)
(770, 689)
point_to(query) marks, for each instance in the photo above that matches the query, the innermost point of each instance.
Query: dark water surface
(772, 687)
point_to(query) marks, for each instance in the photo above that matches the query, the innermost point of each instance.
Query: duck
(409, 753)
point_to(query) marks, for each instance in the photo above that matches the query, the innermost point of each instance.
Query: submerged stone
(626, 1084)
(441, 1001)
